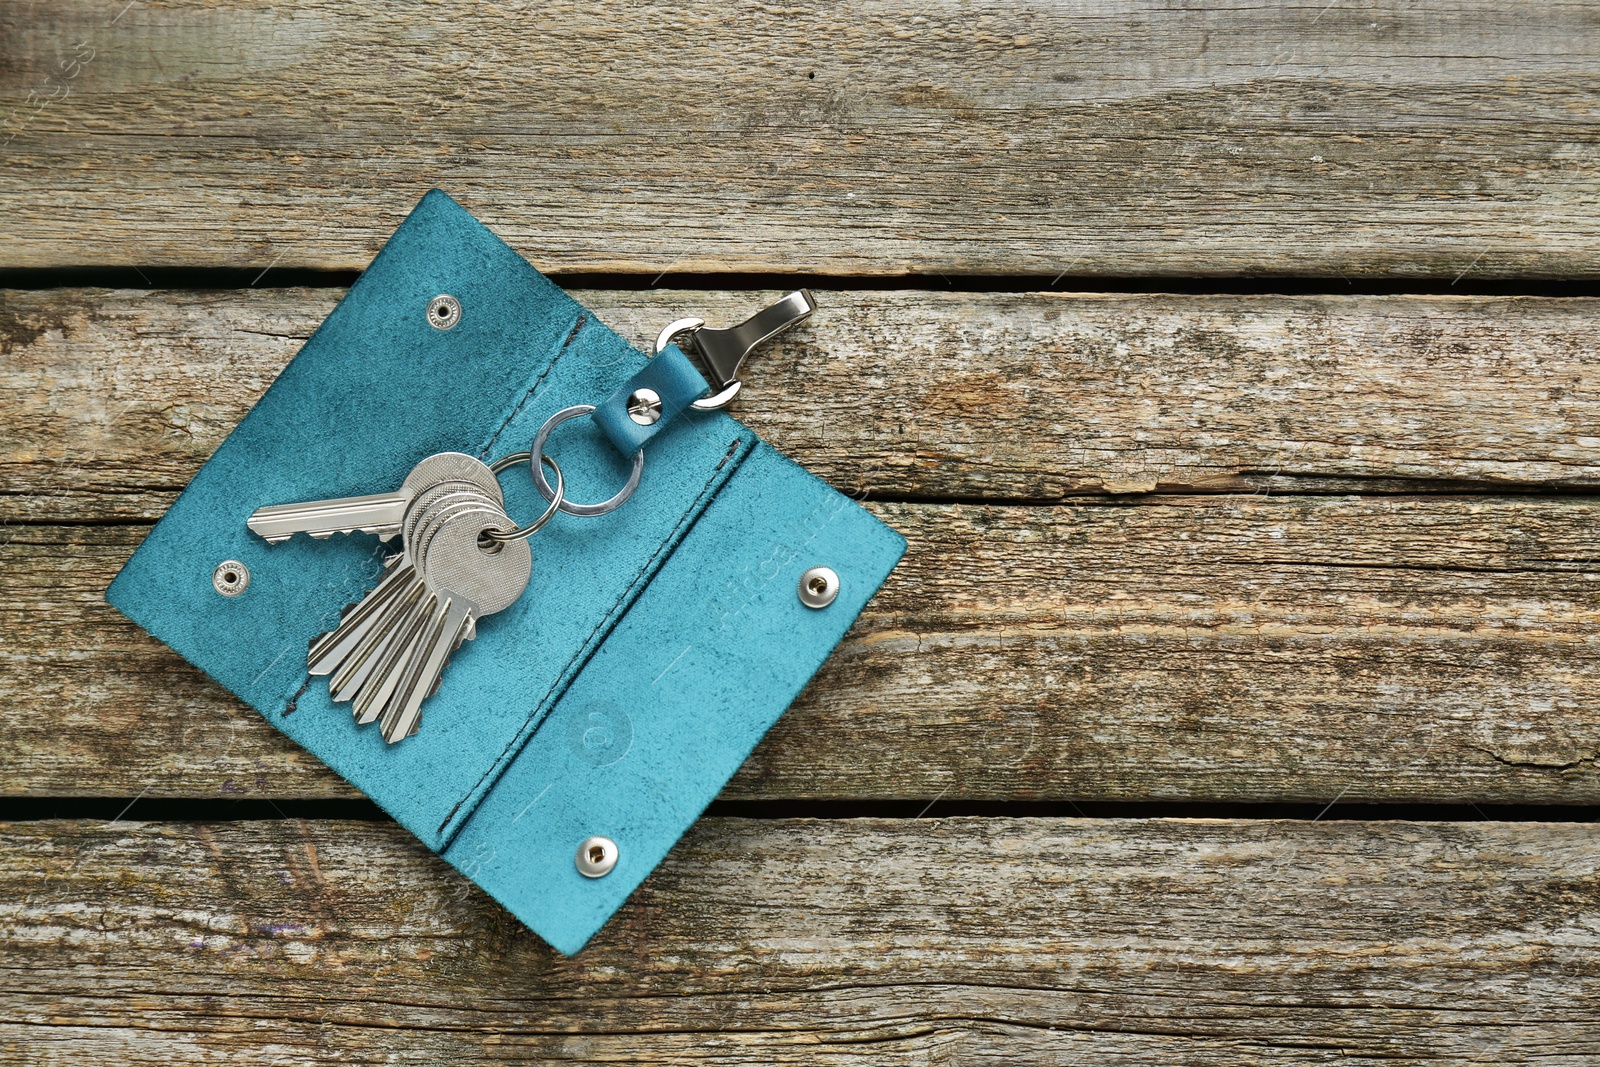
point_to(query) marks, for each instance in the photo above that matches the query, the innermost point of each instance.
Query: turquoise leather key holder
(577, 731)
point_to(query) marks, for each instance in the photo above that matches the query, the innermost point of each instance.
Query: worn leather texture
(653, 647)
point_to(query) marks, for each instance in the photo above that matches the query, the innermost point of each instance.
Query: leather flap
(676, 699)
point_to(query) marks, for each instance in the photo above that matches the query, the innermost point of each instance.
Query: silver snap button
(644, 407)
(596, 857)
(231, 577)
(444, 311)
(818, 587)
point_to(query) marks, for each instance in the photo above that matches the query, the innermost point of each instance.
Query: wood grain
(116, 397)
(1379, 139)
(949, 941)
(1207, 648)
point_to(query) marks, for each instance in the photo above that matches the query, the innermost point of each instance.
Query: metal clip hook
(724, 350)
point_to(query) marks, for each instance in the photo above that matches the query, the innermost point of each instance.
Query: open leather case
(652, 648)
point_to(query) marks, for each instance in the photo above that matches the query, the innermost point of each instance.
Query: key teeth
(392, 651)
(383, 533)
(428, 656)
(392, 637)
(404, 640)
(357, 645)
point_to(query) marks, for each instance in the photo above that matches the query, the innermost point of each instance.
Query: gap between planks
(258, 278)
(146, 808)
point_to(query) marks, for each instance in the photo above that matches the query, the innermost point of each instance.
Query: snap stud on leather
(644, 406)
(231, 577)
(444, 311)
(596, 857)
(818, 587)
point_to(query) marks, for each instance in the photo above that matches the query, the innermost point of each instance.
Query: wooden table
(1233, 371)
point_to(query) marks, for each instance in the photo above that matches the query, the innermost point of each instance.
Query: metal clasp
(723, 351)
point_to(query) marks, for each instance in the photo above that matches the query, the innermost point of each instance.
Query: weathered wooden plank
(1132, 138)
(1210, 648)
(117, 397)
(954, 941)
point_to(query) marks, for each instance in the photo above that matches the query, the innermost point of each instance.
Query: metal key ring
(584, 510)
(500, 537)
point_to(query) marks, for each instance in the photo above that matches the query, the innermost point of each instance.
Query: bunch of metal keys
(461, 558)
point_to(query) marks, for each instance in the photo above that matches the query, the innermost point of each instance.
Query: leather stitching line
(583, 320)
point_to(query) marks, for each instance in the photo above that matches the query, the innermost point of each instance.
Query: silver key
(377, 513)
(365, 652)
(390, 649)
(435, 609)
(466, 583)
(374, 675)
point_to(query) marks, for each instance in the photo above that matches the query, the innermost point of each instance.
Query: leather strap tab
(676, 383)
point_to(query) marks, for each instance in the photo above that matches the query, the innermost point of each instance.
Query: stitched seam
(294, 701)
(583, 320)
(585, 652)
(649, 564)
